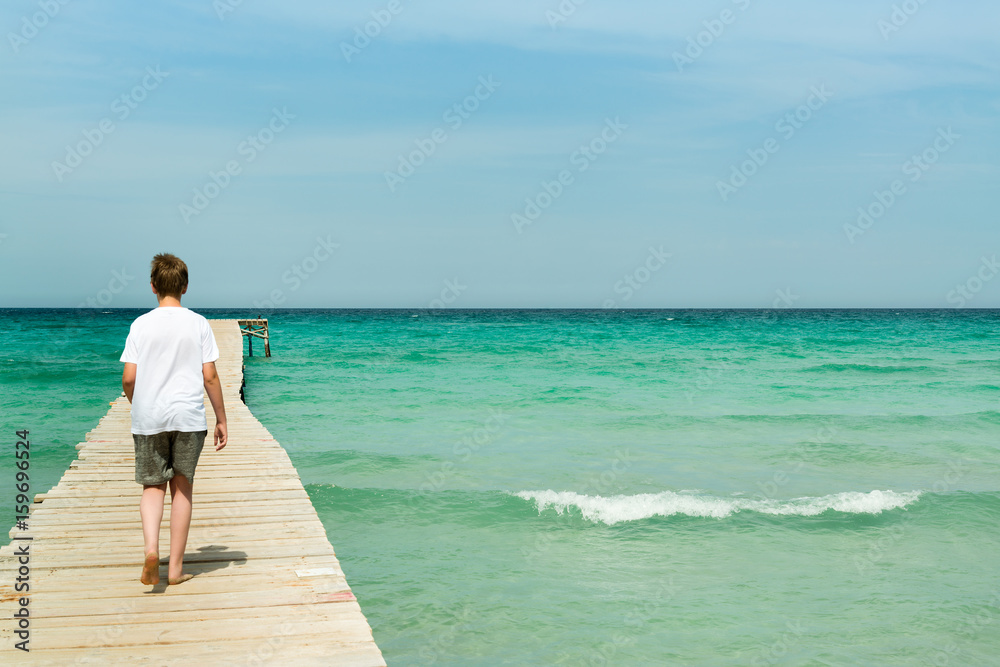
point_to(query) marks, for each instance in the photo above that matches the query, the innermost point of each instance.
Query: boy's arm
(213, 387)
(128, 380)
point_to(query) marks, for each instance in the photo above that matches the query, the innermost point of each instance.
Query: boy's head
(169, 276)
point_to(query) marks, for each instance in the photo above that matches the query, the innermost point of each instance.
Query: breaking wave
(618, 509)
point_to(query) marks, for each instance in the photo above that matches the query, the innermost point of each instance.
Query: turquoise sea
(670, 487)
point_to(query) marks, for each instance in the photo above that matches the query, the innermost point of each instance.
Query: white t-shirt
(168, 346)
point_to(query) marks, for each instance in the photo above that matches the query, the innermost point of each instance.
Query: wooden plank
(59, 579)
(267, 585)
(308, 650)
(209, 591)
(185, 632)
(200, 498)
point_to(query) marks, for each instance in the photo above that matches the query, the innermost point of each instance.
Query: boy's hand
(221, 436)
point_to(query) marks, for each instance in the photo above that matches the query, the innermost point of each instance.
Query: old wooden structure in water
(256, 329)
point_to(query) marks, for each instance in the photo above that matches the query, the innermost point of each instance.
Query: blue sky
(312, 220)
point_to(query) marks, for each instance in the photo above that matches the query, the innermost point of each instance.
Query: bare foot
(151, 569)
(173, 581)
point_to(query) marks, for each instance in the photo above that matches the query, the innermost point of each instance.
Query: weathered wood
(256, 329)
(268, 587)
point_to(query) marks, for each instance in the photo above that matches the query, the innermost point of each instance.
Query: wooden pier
(256, 329)
(268, 588)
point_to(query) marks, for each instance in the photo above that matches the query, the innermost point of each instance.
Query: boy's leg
(151, 466)
(180, 523)
(151, 510)
(184, 457)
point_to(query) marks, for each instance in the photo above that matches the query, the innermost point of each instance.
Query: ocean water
(689, 487)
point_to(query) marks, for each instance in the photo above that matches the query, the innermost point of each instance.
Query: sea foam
(617, 509)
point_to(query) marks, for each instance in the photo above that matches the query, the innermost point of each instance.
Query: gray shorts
(160, 456)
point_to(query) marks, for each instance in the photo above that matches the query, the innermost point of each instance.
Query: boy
(169, 358)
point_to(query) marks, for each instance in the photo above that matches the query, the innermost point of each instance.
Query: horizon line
(520, 308)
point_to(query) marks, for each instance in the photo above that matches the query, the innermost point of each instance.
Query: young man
(169, 359)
